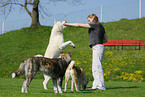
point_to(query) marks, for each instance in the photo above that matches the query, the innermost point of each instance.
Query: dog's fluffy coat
(56, 41)
(54, 68)
(77, 75)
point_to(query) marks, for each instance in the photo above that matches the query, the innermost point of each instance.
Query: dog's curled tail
(71, 65)
(38, 55)
(20, 71)
(16, 73)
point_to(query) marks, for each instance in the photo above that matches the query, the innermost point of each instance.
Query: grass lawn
(12, 88)
(124, 70)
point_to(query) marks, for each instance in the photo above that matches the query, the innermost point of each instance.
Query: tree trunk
(35, 15)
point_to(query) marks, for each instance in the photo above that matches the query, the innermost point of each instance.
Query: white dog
(56, 44)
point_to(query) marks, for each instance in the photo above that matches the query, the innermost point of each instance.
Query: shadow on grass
(91, 91)
(82, 91)
(87, 91)
(122, 87)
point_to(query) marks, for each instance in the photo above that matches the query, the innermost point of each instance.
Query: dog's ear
(55, 21)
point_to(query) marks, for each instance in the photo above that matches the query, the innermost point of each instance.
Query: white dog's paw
(13, 75)
(73, 45)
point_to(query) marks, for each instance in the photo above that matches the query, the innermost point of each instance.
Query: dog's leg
(65, 44)
(26, 88)
(55, 85)
(72, 87)
(76, 82)
(59, 84)
(29, 79)
(28, 68)
(29, 75)
(73, 80)
(23, 86)
(74, 76)
(79, 86)
(27, 83)
(67, 76)
(47, 78)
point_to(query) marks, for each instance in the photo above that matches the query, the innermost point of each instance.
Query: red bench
(131, 42)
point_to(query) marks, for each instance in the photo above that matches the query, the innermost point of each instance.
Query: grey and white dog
(55, 68)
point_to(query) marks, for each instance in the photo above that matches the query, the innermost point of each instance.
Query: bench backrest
(125, 41)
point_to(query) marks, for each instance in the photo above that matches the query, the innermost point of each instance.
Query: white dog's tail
(71, 65)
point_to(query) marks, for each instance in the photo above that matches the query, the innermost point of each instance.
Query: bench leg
(118, 47)
(110, 47)
(122, 47)
(114, 48)
(139, 47)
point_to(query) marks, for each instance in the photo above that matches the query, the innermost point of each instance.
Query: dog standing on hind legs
(56, 41)
(55, 68)
(77, 75)
(56, 44)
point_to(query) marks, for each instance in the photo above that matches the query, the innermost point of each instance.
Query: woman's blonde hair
(93, 16)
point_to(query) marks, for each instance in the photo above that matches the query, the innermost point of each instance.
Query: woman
(97, 37)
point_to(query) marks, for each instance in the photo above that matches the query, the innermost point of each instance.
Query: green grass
(12, 88)
(126, 65)
(126, 29)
